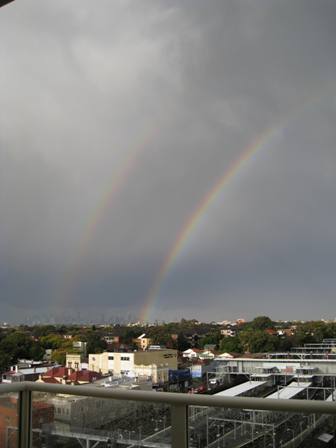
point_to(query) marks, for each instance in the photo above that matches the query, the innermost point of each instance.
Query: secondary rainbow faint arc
(111, 191)
(192, 221)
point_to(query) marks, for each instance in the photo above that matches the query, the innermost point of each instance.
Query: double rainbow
(128, 166)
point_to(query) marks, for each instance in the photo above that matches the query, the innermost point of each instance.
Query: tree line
(259, 335)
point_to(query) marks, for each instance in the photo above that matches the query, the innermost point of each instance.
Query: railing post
(25, 419)
(179, 420)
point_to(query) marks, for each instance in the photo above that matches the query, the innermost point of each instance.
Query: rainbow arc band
(115, 185)
(262, 141)
(192, 221)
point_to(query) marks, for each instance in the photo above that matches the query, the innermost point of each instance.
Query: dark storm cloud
(83, 85)
(276, 249)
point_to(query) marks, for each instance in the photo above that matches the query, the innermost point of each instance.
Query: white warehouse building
(151, 363)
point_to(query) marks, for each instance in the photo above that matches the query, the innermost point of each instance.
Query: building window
(111, 358)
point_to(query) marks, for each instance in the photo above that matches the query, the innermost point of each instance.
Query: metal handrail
(14, 387)
(308, 406)
(179, 405)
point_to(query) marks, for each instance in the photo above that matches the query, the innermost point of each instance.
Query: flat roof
(240, 389)
(313, 360)
(264, 375)
(262, 367)
(310, 377)
(306, 368)
(289, 391)
(325, 437)
(34, 370)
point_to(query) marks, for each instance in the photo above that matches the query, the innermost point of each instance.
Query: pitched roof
(50, 380)
(87, 376)
(58, 372)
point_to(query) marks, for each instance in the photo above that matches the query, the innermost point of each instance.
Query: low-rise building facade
(154, 363)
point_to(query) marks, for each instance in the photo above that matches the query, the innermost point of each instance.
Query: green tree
(182, 342)
(231, 345)
(59, 356)
(16, 345)
(285, 343)
(211, 338)
(256, 341)
(5, 361)
(95, 344)
(42, 330)
(53, 341)
(36, 351)
(261, 323)
(313, 331)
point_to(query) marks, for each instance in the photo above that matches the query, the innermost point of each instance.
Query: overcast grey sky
(118, 117)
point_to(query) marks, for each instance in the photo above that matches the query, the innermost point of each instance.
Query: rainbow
(113, 188)
(192, 221)
(119, 179)
(259, 143)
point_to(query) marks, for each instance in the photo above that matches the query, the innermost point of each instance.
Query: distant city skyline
(128, 321)
(163, 159)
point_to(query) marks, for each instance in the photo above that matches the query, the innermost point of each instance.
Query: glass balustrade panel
(229, 428)
(9, 420)
(67, 421)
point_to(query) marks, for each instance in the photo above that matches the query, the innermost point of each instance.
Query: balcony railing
(180, 406)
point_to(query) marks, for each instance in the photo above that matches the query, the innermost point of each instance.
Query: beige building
(142, 342)
(88, 412)
(74, 361)
(151, 363)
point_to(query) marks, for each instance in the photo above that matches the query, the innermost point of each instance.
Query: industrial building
(111, 423)
(89, 419)
(150, 363)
